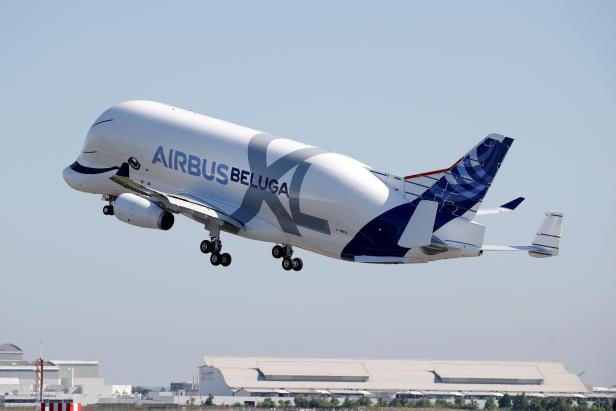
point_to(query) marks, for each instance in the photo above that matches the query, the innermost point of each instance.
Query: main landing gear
(286, 253)
(214, 246)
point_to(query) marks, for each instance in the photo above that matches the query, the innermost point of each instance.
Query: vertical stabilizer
(460, 188)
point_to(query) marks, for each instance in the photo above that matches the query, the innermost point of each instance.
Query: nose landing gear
(286, 253)
(108, 209)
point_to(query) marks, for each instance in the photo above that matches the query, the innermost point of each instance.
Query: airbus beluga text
(151, 161)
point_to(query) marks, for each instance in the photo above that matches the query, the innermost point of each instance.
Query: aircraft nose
(69, 176)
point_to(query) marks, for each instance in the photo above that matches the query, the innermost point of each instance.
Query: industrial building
(290, 377)
(74, 379)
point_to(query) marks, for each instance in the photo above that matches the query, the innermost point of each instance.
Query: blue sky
(403, 86)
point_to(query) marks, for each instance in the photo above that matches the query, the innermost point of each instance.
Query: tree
(300, 402)
(441, 403)
(334, 401)
(473, 404)
(601, 405)
(381, 402)
(459, 401)
(504, 401)
(364, 401)
(210, 401)
(267, 403)
(582, 405)
(423, 403)
(519, 402)
(490, 404)
(349, 403)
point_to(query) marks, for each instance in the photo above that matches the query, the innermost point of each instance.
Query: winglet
(547, 241)
(513, 204)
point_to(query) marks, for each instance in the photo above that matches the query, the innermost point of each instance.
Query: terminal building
(291, 377)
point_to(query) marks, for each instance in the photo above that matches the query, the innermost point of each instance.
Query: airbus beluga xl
(151, 162)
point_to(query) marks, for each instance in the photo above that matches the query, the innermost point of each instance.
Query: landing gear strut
(108, 209)
(286, 253)
(214, 246)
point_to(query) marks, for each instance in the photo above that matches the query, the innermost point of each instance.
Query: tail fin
(547, 240)
(461, 187)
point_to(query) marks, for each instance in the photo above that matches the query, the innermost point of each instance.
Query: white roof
(75, 362)
(9, 348)
(395, 375)
(486, 372)
(313, 370)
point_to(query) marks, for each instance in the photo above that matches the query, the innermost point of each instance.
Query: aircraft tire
(225, 259)
(277, 251)
(206, 246)
(298, 264)
(287, 264)
(215, 259)
(108, 210)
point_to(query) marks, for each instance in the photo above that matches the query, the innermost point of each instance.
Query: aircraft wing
(185, 204)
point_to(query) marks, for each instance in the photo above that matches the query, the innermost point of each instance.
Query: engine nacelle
(135, 210)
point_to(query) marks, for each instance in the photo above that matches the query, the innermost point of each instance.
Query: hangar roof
(395, 375)
(8, 347)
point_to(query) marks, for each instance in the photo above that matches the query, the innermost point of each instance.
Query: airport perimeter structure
(292, 377)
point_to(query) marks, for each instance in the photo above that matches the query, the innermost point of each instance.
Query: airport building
(62, 379)
(233, 377)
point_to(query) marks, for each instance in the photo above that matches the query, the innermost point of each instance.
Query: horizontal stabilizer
(546, 242)
(418, 231)
(505, 208)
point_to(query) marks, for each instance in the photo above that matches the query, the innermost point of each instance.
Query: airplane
(151, 161)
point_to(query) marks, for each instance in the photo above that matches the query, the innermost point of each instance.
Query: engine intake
(141, 212)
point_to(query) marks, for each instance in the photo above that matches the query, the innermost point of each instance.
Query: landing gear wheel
(287, 264)
(297, 264)
(215, 259)
(108, 210)
(206, 246)
(277, 251)
(225, 259)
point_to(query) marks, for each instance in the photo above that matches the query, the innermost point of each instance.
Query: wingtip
(513, 204)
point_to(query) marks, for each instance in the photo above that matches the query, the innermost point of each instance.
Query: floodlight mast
(39, 380)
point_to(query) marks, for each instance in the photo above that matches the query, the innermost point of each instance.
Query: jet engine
(135, 210)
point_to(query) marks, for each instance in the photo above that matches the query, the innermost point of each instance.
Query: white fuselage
(282, 191)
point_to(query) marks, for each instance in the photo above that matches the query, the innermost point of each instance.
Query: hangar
(290, 377)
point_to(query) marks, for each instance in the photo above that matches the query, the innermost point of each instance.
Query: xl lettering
(255, 197)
